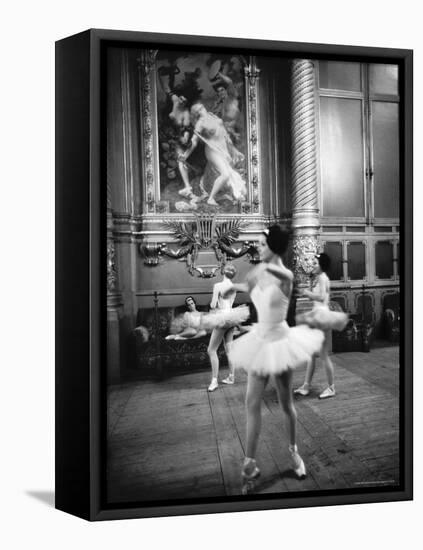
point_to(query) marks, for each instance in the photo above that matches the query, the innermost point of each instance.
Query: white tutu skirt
(218, 318)
(224, 318)
(323, 318)
(275, 348)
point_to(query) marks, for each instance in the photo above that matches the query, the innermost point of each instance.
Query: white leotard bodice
(271, 304)
(323, 285)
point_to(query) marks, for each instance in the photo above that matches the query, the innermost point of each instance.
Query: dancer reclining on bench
(195, 324)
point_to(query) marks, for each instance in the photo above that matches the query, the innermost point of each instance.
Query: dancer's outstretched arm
(320, 292)
(236, 287)
(248, 284)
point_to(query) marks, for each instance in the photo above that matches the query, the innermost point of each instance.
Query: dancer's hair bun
(324, 261)
(277, 239)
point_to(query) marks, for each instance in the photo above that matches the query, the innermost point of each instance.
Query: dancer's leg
(227, 342)
(326, 360)
(330, 390)
(187, 333)
(305, 388)
(255, 388)
(215, 340)
(284, 391)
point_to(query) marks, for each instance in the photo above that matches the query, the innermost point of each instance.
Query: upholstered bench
(158, 356)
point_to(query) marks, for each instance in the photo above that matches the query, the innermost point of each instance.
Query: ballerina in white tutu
(219, 334)
(196, 324)
(271, 348)
(189, 324)
(321, 317)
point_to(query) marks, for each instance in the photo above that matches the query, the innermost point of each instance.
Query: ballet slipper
(249, 475)
(302, 390)
(328, 392)
(297, 462)
(213, 385)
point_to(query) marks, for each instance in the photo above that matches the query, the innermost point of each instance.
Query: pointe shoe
(302, 390)
(229, 380)
(328, 392)
(213, 385)
(297, 462)
(249, 474)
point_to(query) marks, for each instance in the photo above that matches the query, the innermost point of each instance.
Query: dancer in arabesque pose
(271, 348)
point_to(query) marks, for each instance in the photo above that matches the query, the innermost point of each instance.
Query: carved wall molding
(304, 163)
(111, 268)
(150, 228)
(305, 213)
(148, 126)
(252, 74)
(305, 248)
(202, 235)
(127, 134)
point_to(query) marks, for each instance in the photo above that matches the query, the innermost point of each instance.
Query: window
(359, 107)
(356, 258)
(384, 256)
(334, 251)
(359, 141)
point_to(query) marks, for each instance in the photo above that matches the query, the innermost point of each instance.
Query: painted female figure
(220, 152)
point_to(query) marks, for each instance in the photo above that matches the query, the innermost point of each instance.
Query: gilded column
(305, 212)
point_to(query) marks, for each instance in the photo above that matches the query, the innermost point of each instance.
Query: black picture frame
(81, 279)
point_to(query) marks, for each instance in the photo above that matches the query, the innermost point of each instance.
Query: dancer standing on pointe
(271, 348)
(321, 317)
(222, 333)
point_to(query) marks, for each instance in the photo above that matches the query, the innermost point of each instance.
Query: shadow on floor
(46, 497)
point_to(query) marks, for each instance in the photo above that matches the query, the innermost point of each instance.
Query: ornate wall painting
(199, 132)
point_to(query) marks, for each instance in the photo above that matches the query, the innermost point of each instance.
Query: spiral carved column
(305, 212)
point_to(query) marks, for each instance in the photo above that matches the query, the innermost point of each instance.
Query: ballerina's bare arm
(320, 293)
(194, 143)
(236, 287)
(281, 272)
(215, 297)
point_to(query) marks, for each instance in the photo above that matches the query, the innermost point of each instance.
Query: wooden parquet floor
(172, 439)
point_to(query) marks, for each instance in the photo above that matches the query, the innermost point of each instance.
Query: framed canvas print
(234, 274)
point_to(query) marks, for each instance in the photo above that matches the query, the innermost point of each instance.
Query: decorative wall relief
(111, 267)
(200, 144)
(205, 244)
(305, 249)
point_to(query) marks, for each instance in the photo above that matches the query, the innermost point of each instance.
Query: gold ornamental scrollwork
(305, 249)
(252, 73)
(111, 268)
(203, 236)
(147, 86)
